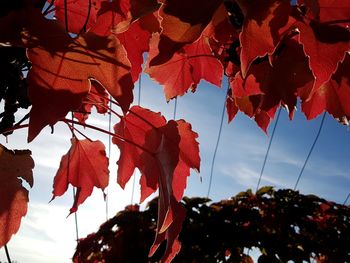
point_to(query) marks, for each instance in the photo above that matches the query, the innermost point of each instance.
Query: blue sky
(46, 235)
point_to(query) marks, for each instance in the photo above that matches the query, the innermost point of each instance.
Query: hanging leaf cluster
(63, 56)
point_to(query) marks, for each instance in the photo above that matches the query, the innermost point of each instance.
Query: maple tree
(91, 54)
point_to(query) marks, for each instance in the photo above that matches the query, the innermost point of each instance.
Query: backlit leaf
(62, 68)
(164, 152)
(186, 68)
(15, 166)
(85, 166)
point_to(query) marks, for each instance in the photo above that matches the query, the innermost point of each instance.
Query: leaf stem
(117, 136)
(15, 128)
(75, 129)
(132, 112)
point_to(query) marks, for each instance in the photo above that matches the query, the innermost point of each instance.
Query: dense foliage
(284, 225)
(80, 54)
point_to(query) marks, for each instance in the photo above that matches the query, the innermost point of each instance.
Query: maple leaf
(116, 16)
(97, 97)
(221, 34)
(182, 22)
(268, 86)
(333, 96)
(134, 128)
(164, 152)
(186, 68)
(15, 166)
(81, 14)
(262, 29)
(136, 41)
(134, 36)
(85, 166)
(326, 10)
(231, 107)
(62, 68)
(325, 45)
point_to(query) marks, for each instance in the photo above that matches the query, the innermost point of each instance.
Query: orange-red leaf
(164, 152)
(326, 45)
(186, 68)
(333, 96)
(79, 14)
(15, 166)
(136, 41)
(262, 29)
(85, 166)
(134, 36)
(267, 86)
(62, 68)
(326, 10)
(136, 125)
(182, 22)
(96, 97)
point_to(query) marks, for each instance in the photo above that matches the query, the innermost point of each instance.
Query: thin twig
(15, 128)
(117, 136)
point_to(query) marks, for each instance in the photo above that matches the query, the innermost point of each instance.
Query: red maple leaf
(80, 15)
(134, 36)
(134, 128)
(62, 68)
(326, 45)
(268, 86)
(164, 152)
(186, 68)
(15, 166)
(333, 96)
(262, 29)
(326, 10)
(182, 22)
(85, 166)
(136, 41)
(97, 97)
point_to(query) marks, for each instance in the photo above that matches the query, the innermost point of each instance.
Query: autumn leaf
(231, 107)
(221, 34)
(15, 166)
(326, 10)
(182, 22)
(81, 14)
(326, 45)
(85, 166)
(333, 96)
(62, 68)
(186, 68)
(97, 97)
(136, 41)
(262, 29)
(173, 245)
(268, 86)
(133, 35)
(134, 127)
(164, 152)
